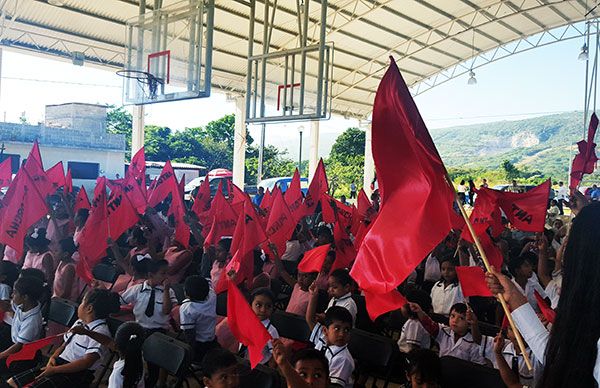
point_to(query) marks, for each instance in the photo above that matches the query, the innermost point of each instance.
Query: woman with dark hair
(569, 351)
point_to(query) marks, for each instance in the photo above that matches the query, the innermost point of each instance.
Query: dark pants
(153, 369)
(560, 206)
(61, 380)
(352, 194)
(201, 348)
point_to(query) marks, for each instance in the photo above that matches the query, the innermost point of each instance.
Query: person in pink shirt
(300, 296)
(39, 255)
(222, 257)
(79, 220)
(59, 226)
(11, 255)
(179, 259)
(67, 284)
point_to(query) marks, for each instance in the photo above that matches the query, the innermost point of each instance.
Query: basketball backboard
(169, 54)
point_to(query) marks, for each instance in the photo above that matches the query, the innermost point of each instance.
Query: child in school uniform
(198, 315)
(67, 284)
(306, 367)
(447, 292)
(8, 274)
(332, 337)
(455, 340)
(414, 335)
(340, 283)
(220, 369)
(526, 281)
(136, 273)
(262, 304)
(424, 369)
(39, 255)
(26, 323)
(73, 363)
(152, 303)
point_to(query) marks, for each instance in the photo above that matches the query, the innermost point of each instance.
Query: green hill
(539, 146)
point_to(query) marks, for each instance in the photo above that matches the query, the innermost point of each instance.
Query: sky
(541, 81)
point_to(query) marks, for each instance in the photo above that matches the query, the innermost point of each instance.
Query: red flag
(137, 169)
(293, 197)
(493, 253)
(472, 281)
(23, 207)
(345, 253)
(526, 211)
(485, 215)
(318, 186)
(56, 175)
(68, 182)
(224, 219)
(29, 350)
(132, 190)
(36, 172)
(585, 161)
(181, 185)
(313, 260)
(165, 184)
(363, 204)
(327, 211)
(182, 230)
(94, 235)
(245, 326)
(121, 214)
(202, 201)
(5, 172)
(416, 200)
(81, 201)
(546, 310)
(280, 225)
(267, 202)
(378, 304)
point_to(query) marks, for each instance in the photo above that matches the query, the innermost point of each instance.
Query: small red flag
(29, 350)
(181, 185)
(224, 219)
(363, 204)
(378, 304)
(35, 169)
(267, 202)
(56, 175)
(293, 197)
(81, 201)
(68, 182)
(412, 182)
(182, 230)
(485, 215)
(94, 235)
(165, 184)
(526, 211)
(137, 169)
(585, 161)
(345, 253)
(472, 281)
(121, 214)
(546, 310)
(281, 224)
(6, 172)
(202, 201)
(313, 260)
(318, 186)
(245, 326)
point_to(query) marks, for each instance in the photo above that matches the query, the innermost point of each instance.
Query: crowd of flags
(382, 247)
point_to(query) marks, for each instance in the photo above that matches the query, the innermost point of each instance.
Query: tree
(511, 171)
(157, 143)
(119, 121)
(349, 144)
(346, 161)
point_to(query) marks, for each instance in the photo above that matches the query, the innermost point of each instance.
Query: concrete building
(73, 133)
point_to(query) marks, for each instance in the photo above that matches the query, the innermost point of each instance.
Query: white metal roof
(425, 36)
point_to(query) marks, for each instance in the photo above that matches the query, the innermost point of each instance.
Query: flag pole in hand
(488, 269)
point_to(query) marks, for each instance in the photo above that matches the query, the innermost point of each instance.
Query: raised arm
(429, 325)
(281, 268)
(510, 378)
(311, 310)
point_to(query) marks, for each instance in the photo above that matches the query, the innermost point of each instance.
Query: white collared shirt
(80, 345)
(200, 316)
(139, 295)
(443, 298)
(465, 348)
(26, 325)
(116, 379)
(5, 291)
(432, 271)
(531, 286)
(413, 335)
(268, 349)
(346, 302)
(341, 362)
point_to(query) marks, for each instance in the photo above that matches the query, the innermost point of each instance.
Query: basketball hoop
(143, 78)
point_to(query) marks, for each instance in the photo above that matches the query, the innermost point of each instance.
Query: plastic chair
(374, 354)
(62, 312)
(457, 373)
(291, 326)
(169, 354)
(106, 273)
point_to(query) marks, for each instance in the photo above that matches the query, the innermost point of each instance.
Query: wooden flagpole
(488, 268)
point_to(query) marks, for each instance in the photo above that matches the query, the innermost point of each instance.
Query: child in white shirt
(414, 335)
(447, 292)
(455, 340)
(339, 286)
(262, 305)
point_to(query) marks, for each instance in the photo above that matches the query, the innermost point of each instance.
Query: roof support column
(137, 133)
(369, 169)
(313, 155)
(239, 142)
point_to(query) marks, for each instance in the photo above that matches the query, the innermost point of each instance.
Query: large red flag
(378, 304)
(472, 281)
(94, 235)
(224, 219)
(5, 172)
(132, 190)
(585, 161)
(293, 197)
(245, 326)
(318, 186)
(81, 201)
(56, 175)
(202, 201)
(416, 200)
(526, 211)
(68, 182)
(121, 213)
(35, 169)
(313, 260)
(29, 350)
(23, 207)
(165, 184)
(137, 169)
(281, 224)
